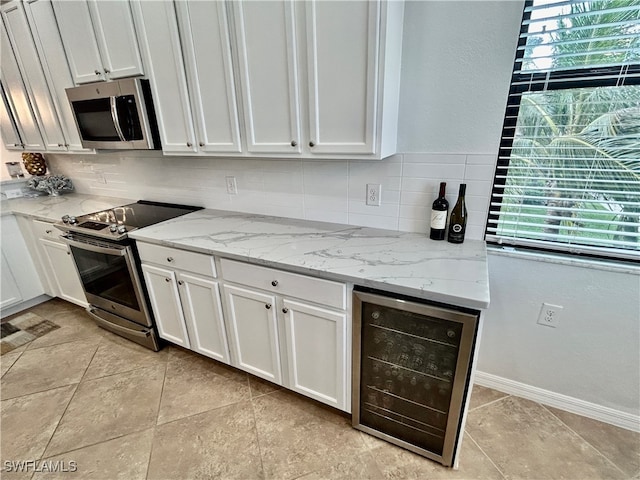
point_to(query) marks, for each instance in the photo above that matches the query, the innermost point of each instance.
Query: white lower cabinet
(316, 348)
(186, 305)
(254, 332)
(290, 329)
(63, 272)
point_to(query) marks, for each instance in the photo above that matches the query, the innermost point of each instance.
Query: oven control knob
(65, 219)
(73, 220)
(113, 228)
(122, 229)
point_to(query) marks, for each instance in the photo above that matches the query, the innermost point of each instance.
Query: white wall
(456, 65)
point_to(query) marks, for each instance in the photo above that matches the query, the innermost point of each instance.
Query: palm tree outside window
(568, 171)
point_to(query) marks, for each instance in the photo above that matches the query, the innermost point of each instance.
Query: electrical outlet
(373, 194)
(232, 187)
(549, 315)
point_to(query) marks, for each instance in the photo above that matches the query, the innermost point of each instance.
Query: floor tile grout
(584, 440)
(470, 437)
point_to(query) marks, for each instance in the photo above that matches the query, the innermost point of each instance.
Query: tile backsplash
(327, 190)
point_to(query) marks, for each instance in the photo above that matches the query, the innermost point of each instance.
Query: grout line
(583, 439)
(255, 427)
(490, 403)
(485, 454)
(153, 437)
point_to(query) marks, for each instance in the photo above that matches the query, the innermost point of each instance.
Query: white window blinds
(568, 172)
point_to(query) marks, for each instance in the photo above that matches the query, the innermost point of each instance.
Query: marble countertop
(53, 208)
(397, 262)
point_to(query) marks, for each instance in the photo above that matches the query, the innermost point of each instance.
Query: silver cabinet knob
(48, 231)
(189, 144)
(274, 283)
(268, 306)
(294, 143)
(285, 310)
(167, 280)
(201, 144)
(106, 70)
(180, 282)
(311, 144)
(97, 72)
(169, 259)
(61, 144)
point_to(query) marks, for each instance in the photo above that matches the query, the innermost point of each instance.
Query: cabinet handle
(180, 282)
(285, 310)
(169, 259)
(268, 306)
(61, 144)
(294, 143)
(66, 145)
(201, 144)
(274, 283)
(189, 144)
(311, 144)
(48, 231)
(106, 70)
(97, 72)
(68, 252)
(167, 280)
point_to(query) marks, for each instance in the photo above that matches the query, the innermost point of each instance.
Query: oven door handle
(116, 120)
(115, 250)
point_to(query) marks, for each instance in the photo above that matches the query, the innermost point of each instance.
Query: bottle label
(438, 219)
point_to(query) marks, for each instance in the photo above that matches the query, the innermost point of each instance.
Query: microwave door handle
(116, 120)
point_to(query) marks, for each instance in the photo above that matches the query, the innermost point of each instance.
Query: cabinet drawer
(46, 230)
(178, 259)
(318, 290)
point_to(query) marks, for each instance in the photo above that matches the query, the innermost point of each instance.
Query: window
(568, 171)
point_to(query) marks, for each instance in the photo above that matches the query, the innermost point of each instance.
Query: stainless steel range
(109, 268)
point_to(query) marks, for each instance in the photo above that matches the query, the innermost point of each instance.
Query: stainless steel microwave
(115, 115)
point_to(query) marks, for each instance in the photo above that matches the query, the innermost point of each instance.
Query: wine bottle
(439, 211)
(458, 220)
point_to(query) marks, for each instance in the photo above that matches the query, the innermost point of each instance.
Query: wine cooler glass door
(412, 369)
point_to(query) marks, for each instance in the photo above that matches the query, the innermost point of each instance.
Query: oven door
(109, 278)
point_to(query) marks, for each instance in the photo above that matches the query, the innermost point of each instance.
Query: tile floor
(80, 394)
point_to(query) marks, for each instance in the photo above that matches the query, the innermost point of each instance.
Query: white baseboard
(24, 305)
(562, 402)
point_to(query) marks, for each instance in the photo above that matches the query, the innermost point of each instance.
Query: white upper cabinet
(8, 128)
(268, 70)
(206, 45)
(48, 43)
(342, 64)
(33, 76)
(99, 38)
(160, 42)
(320, 78)
(18, 99)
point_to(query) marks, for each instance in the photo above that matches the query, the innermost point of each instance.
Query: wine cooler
(411, 368)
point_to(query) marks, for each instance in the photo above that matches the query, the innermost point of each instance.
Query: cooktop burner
(114, 223)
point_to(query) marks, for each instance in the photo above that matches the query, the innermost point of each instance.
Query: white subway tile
(481, 159)
(433, 170)
(445, 158)
(325, 202)
(321, 215)
(374, 221)
(385, 209)
(410, 224)
(479, 172)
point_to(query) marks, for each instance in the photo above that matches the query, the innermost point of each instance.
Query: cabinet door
(116, 36)
(204, 30)
(8, 129)
(268, 70)
(64, 272)
(33, 76)
(79, 39)
(158, 28)
(253, 332)
(316, 349)
(342, 61)
(47, 40)
(200, 298)
(165, 302)
(17, 97)
(10, 293)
